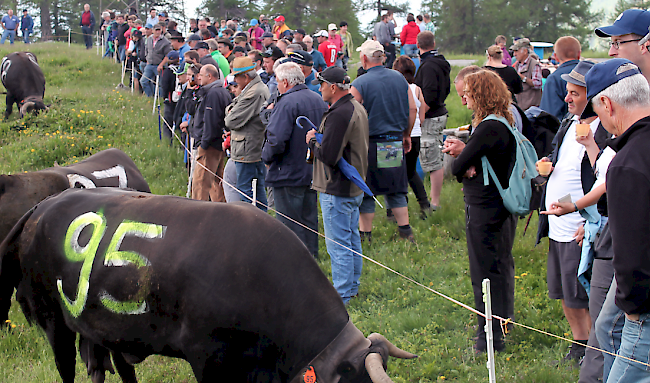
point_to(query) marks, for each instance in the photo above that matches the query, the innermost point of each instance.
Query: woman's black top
(510, 77)
(493, 139)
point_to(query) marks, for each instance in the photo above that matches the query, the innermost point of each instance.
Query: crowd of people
(237, 92)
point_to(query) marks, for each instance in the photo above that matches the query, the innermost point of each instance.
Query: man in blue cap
(619, 94)
(627, 31)
(306, 63)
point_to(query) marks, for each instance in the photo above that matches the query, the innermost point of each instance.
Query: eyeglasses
(617, 44)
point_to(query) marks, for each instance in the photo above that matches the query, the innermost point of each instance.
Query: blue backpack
(517, 197)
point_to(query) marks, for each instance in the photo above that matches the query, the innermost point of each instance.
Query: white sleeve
(602, 164)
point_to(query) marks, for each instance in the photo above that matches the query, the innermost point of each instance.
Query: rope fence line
(502, 321)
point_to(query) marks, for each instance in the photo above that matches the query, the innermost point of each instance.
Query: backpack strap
(487, 168)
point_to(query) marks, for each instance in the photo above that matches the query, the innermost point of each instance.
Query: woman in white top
(406, 67)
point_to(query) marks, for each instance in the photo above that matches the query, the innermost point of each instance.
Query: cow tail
(9, 262)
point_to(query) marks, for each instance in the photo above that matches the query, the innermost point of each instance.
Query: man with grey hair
(391, 115)
(531, 75)
(247, 130)
(619, 94)
(87, 24)
(284, 152)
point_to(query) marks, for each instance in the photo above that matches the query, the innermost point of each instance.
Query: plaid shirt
(537, 73)
(430, 27)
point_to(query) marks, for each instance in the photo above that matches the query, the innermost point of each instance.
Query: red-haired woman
(490, 227)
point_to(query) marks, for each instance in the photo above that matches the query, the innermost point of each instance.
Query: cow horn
(375, 368)
(26, 107)
(392, 349)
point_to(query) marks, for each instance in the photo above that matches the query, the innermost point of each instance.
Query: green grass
(411, 317)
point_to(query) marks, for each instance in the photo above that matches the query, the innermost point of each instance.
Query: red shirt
(329, 51)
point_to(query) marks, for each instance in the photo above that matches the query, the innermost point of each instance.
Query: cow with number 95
(224, 286)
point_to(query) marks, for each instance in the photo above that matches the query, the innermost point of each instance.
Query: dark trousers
(591, 369)
(414, 178)
(88, 36)
(168, 114)
(299, 203)
(490, 235)
(390, 52)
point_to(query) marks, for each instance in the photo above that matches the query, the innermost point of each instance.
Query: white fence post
(155, 95)
(69, 36)
(254, 191)
(489, 336)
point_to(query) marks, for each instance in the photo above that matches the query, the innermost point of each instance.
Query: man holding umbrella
(345, 135)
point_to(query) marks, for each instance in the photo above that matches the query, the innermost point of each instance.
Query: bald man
(567, 50)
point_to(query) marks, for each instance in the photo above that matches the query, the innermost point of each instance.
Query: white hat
(331, 26)
(321, 33)
(369, 47)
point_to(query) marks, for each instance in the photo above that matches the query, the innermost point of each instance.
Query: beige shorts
(431, 143)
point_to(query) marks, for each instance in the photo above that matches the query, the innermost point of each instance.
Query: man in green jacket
(247, 130)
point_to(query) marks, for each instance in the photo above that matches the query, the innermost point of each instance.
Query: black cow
(25, 83)
(224, 286)
(20, 192)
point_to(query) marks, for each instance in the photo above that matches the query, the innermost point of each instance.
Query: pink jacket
(255, 33)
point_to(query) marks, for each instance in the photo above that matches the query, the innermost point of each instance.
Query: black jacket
(208, 121)
(587, 176)
(181, 106)
(433, 78)
(628, 199)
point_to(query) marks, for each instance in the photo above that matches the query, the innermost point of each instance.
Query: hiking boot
(573, 357)
(407, 235)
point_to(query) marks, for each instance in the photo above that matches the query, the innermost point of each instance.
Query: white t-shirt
(602, 164)
(417, 131)
(566, 179)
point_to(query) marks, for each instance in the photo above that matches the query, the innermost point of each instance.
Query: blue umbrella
(348, 170)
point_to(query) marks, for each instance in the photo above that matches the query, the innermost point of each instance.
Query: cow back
(147, 274)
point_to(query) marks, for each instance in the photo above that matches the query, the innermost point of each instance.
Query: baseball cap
(521, 43)
(301, 57)
(163, 14)
(172, 55)
(157, 27)
(253, 22)
(182, 70)
(201, 45)
(267, 34)
(176, 35)
(634, 21)
(301, 31)
(603, 75)
(239, 39)
(194, 37)
(137, 34)
(332, 75)
(321, 33)
(239, 49)
(578, 73)
(273, 51)
(370, 47)
(280, 18)
(332, 26)
(148, 26)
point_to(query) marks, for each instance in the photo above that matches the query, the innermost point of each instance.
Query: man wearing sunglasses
(626, 33)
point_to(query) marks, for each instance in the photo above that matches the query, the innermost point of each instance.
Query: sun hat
(370, 47)
(578, 73)
(242, 65)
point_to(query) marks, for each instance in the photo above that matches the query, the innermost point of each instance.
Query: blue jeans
(609, 328)
(121, 53)
(11, 34)
(300, 204)
(246, 171)
(26, 34)
(411, 50)
(635, 344)
(341, 223)
(148, 80)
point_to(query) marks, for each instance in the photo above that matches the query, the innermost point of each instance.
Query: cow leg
(10, 104)
(7, 283)
(124, 369)
(62, 341)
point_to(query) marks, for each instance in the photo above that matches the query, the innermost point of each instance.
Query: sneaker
(407, 235)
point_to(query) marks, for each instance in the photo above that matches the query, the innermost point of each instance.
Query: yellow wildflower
(91, 128)
(78, 115)
(100, 136)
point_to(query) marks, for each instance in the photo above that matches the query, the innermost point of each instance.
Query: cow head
(352, 358)
(32, 106)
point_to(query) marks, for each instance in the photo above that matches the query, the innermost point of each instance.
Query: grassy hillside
(88, 115)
